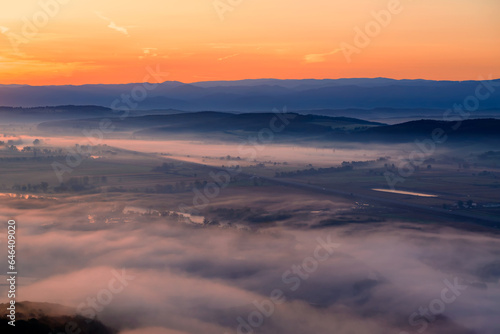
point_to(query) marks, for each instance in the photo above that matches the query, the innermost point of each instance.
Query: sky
(55, 42)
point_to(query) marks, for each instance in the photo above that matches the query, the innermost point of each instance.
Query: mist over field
(189, 279)
(114, 242)
(253, 223)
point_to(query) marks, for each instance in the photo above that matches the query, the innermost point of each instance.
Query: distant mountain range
(262, 95)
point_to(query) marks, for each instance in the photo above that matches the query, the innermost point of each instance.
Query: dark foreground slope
(45, 318)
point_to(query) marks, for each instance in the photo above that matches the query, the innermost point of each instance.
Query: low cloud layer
(165, 277)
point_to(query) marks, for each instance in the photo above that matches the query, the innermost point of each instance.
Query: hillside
(39, 114)
(218, 124)
(226, 126)
(470, 130)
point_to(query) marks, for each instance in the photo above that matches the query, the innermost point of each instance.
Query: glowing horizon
(88, 42)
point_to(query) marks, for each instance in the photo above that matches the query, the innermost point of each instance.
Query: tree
(36, 142)
(44, 186)
(13, 148)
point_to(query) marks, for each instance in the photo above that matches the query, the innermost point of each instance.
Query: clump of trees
(314, 171)
(165, 168)
(41, 187)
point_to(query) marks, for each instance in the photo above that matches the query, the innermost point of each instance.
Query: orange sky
(95, 41)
